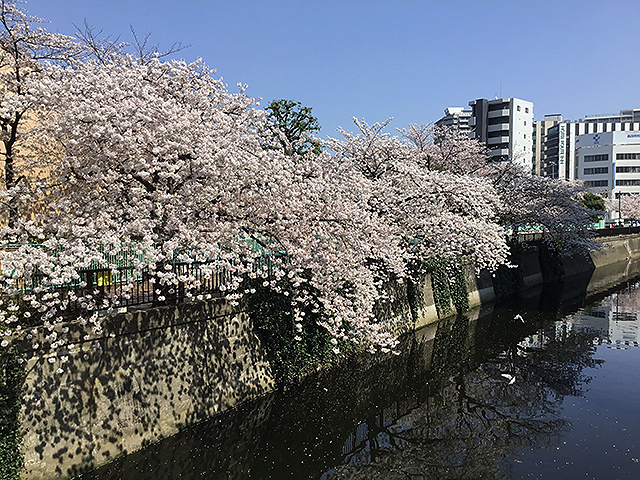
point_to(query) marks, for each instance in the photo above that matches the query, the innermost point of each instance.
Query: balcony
(498, 127)
(497, 140)
(499, 113)
(498, 152)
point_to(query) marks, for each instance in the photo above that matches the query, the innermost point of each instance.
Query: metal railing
(132, 287)
(615, 231)
(124, 287)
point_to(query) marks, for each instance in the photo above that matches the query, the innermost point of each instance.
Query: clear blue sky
(405, 59)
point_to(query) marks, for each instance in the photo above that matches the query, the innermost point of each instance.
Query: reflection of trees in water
(474, 418)
(437, 410)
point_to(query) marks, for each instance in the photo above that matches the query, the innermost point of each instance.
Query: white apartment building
(609, 162)
(625, 116)
(505, 125)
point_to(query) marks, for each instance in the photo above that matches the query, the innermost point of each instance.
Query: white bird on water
(519, 317)
(511, 378)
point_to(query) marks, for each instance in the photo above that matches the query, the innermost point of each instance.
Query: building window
(526, 109)
(627, 183)
(597, 183)
(627, 156)
(603, 157)
(597, 170)
(518, 107)
(627, 169)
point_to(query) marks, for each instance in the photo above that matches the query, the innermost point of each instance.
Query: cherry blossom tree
(160, 159)
(24, 44)
(446, 149)
(434, 211)
(551, 206)
(156, 162)
(627, 206)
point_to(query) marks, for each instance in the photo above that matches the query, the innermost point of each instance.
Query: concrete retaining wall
(152, 373)
(618, 261)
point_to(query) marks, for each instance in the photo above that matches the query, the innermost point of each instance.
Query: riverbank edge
(599, 270)
(152, 373)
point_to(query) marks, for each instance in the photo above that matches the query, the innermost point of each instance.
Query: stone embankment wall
(147, 375)
(617, 261)
(150, 373)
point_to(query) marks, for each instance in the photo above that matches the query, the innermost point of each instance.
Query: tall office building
(609, 162)
(558, 153)
(505, 125)
(559, 156)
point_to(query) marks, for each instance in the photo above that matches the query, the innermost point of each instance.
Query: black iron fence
(124, 287)
(615, 231)
(132, 287)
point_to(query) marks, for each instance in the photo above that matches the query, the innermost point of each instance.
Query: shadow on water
(459, 397)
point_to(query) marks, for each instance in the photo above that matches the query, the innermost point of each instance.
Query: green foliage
(448, 284)
(292, 120)
(12, 374)
(458, 288)
(439, 285)
(291, 359)
(593, 202)
(415, 295)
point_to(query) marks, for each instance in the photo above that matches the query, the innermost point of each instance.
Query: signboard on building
(608, 138)
(562, 135)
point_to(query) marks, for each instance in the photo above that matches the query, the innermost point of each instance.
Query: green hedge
(290, 359)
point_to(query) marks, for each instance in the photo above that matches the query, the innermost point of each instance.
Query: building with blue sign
(609, 162)
(559, 154)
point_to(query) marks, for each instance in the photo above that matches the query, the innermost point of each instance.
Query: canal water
(525, 389)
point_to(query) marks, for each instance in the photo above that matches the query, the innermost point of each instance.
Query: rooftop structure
(456, 118)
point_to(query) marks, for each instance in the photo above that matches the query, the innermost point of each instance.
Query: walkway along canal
(152, 373)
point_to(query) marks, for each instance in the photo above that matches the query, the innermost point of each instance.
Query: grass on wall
(12, 375)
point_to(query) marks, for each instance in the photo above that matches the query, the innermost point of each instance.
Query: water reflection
(614, 318)
(477, 414)
(462, 400)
